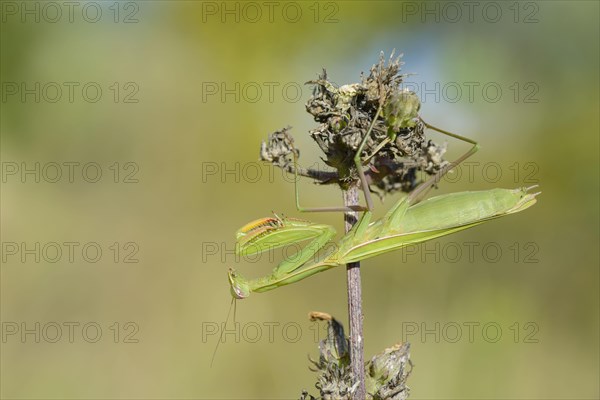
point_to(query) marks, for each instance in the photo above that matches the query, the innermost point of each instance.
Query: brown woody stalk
(355, 316)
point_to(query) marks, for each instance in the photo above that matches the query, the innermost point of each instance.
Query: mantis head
(239, 286)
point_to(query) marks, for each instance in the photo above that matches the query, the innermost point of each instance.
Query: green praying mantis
(408, 222)
(403, 225)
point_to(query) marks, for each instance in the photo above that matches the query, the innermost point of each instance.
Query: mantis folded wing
(403, 225)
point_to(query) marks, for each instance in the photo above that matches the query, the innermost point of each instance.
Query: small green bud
(401, 110)
(337, 124)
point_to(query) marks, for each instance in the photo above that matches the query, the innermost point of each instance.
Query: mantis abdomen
(436, 217)
(456, 209)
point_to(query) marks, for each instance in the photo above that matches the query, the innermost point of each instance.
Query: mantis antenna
(234, 305)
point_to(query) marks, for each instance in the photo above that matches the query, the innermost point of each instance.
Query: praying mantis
(408, 222)
(403, 225)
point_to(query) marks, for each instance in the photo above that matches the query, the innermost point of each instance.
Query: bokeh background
(164, 133)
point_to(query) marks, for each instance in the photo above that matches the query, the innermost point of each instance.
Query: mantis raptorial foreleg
(267, 234)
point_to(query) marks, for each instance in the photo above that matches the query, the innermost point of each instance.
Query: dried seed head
(396, 149)
(386, 373)
(279, 148)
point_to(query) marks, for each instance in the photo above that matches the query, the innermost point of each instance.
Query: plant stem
(355, 317)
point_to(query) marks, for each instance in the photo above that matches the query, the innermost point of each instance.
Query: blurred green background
(164, 138)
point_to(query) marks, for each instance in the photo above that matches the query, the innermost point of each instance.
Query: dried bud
(386, 373)
(279, 148)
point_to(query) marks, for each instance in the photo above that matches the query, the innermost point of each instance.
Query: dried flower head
(396, 148)
(386, 373)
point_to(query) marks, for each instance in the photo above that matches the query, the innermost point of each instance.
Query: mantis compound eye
(239, 286)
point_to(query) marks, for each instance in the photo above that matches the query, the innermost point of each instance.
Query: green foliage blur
(171, 117)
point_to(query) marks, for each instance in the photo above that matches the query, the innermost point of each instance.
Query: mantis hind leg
(361, 175)
(422, 189)
(396, 213)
